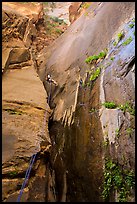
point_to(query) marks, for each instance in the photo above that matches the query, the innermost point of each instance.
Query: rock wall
(18, 30)
(81, 126)
(24, 101)
(91, 116)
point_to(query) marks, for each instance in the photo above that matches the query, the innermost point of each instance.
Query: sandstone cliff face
(18, 30)
(81, 126)
(24, 100)
(76, 9)
(82, 133)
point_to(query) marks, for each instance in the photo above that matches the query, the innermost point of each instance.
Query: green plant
(86, 5)
(83, 84)
(115, 43)
(124, 108)
(134, 33)
(115, 178)
(127, 107)
(12, 173)
(87, 84)
(133, 20)
(120, 36)
(92, 58)
(106, 142)
(95, 74)
(131, 25)
(110, 105)
(13, 112)
(117, 133)
(92, 110)
(112, 58)
(58, 31)
(102, 54)
(129, 40)
(129, 131)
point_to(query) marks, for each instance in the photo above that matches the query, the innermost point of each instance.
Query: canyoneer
(50, 80)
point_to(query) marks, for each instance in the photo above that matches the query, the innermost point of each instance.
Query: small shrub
(127, 107)
(12, 174)
(92, 58)
(58, 31)
(129, 40)
(13, 112)
(120, 36)
(102, 54)
(110, 105)
(117, 132)
(117, 178)
(112, 58)
(129, 131)
(115, 43)
(87, 84)
(95, 74)
(106, 142)
(131, 25)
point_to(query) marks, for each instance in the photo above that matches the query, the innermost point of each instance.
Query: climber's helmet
(49, 77)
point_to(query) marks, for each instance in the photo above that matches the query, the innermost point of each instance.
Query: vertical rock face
(25, 111)
(19, 29)
(81, 126)
(92, 117)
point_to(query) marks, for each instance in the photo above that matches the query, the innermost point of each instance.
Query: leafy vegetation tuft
(129, 131)
(115, 43)
(92, 58)
(120, 36)
(126, 107)
(110, 105)
(115, 178)
(131, 25)
(117, 132)
(95, 74)
(13, 112)
(129, 40)
(112, 58)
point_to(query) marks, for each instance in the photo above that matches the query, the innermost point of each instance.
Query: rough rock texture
(76, 9)
(25, 111)
(79, 122)
(18, 31)
(24, 106)
(71, 166)
(74, 12)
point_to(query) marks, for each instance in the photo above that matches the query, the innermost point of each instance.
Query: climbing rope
(31, 160)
